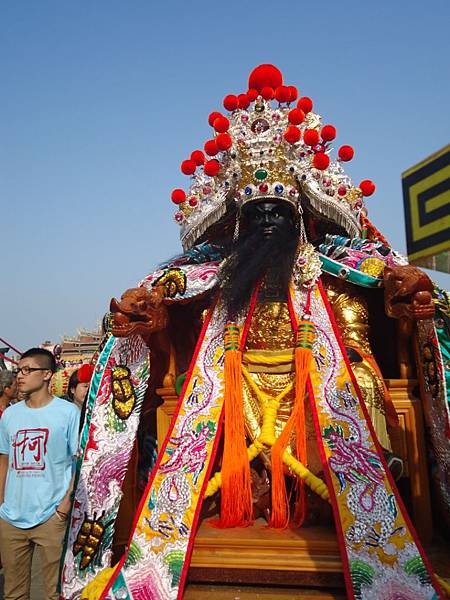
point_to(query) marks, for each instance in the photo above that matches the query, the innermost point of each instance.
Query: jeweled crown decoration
(270, 145)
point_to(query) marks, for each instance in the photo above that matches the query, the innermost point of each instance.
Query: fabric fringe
(335, 210)
(236, 501)
(280, 502)
(197, 225)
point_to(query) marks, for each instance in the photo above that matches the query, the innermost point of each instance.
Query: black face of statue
(267, 241)
(269, 217)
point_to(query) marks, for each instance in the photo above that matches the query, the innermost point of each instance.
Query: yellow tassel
(236, 502)
(316, 484)
(280, 503)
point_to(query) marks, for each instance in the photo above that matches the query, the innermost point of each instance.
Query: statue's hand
(140, 312)
(260, 493)
(408, 293)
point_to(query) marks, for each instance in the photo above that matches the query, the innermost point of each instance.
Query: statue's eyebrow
(277, 208)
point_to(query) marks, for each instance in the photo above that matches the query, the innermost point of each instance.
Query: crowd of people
(38, 445)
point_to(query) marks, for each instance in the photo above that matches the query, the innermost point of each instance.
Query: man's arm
(63, 507)
(3, 473)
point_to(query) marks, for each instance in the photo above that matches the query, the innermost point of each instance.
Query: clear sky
(100, 101)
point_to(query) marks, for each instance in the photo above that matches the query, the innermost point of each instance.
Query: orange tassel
(236, 503)
(280, 503)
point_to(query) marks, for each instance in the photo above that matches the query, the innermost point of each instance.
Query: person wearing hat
(79, 384)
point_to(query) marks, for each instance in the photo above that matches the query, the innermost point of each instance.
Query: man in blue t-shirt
(38, 444)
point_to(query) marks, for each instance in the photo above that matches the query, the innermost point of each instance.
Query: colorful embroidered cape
(380, 553)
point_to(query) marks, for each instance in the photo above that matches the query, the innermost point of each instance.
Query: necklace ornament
(307, 267)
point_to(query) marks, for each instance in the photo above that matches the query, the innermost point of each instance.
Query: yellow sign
(426, 198)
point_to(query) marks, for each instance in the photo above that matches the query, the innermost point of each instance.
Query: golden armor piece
(352, 318)
(269, 362)
(269, 369)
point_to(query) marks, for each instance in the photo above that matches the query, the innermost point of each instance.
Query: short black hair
(73, 382)
(45, 357)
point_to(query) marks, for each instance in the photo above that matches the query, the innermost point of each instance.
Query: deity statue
(272, 325)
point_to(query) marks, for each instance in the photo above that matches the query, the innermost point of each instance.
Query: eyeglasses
(27, 370)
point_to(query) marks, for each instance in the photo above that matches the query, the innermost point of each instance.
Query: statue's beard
(251, 257)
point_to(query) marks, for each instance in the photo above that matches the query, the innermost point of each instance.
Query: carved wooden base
(303, 557)
(218, 591)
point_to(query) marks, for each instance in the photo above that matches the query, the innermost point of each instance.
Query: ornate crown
(262, 150)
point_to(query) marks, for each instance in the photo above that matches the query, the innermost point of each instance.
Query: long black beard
(252, 256)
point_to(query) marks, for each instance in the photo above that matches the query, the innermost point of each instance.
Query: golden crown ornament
(270, 145)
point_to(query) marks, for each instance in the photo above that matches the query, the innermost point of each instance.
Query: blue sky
(102, 100)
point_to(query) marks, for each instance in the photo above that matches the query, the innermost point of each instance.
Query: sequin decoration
(124, 397)
(88, 541)
(307, 267)
(174, 282)
(372, 266)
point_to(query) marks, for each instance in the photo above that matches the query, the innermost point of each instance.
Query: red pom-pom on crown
(266, 75)
(293, 93)
(282, 93)
(367, 187)
(224, 141)
(346, 153)
(211, 148)
(221, 124)
(306, 104)
(188, 167)
(178, 196)
(311, 137)
(230, 102)
(328, 133)
(292, 134)
(296, 116)
(213, 116)
(212, 167)
(198, 158)
(321, 161)
(267, 92)
(243, 101)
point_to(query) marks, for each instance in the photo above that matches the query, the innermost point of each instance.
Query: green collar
(348, 273)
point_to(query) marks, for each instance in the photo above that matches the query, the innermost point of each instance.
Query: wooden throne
(308, 556)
